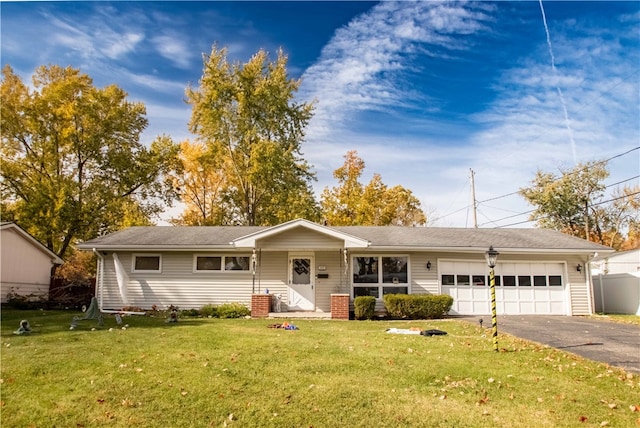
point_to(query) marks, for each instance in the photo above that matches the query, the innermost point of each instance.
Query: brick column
(260, 305)
(340, 306)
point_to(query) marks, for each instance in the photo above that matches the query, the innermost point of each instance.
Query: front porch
(261, 307)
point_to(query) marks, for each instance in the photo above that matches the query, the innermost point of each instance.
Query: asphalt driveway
(599, 340)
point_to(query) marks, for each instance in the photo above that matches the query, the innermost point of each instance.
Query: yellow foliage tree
(351, 203)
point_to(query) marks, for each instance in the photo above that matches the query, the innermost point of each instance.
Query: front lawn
(624, 319)
(204, 372)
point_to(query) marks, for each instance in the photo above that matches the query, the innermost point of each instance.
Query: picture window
(146, 263)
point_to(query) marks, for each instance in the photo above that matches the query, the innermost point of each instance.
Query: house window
(394, 270)
(479, 280)
(555, 281)
(365, 270)
(380, 275)
(219, 263)
(524, 281)
(539, 281)
(237, 263)
(208, 263)
(508, 280)
(146, 263)
(462, 279)
(365, 291)
(448, 280)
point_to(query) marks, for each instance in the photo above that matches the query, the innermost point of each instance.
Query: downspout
(99, 276)
(589, 280)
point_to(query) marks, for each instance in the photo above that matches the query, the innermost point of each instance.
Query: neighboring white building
(538, 271)
(619, 262)
(616, 282)
(25, 264)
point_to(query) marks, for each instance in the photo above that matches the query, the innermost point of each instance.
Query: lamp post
(492, 258)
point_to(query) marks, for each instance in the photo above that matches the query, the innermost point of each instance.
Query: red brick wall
(340, 306)
(260, 305)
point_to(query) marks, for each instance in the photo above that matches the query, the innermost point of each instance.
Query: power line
(622, 181)
(541, 217)
(584, 168)
(466, 207)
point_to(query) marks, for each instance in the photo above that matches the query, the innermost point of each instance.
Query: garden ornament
(92, 313)
(24, 328)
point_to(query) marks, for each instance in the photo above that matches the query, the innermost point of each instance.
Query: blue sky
(424, 91)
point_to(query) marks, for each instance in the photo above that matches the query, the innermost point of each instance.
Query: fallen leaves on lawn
(484, 399)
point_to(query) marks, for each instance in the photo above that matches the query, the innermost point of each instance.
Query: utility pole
(473, 199)
(586, 218)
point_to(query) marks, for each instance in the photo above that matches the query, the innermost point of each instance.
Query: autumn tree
(200, 185)
(72, 164)
(621, 217)
(352, 203)
(573, 202)
(253, 130)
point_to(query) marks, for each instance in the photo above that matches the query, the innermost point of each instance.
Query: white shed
(25, 264)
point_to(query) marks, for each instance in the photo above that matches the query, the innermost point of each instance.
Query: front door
(302, 294)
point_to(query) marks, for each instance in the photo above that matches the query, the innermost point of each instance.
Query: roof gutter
(155, 247)
(475, 250)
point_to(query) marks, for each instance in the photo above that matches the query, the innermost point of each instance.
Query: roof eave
(481, 249)
(350, 241)
(90, 247)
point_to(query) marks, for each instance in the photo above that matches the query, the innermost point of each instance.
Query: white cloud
(359, 68)
(521, 130)
(174, 48)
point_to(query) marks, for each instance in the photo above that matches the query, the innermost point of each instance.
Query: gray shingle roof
(388, 237)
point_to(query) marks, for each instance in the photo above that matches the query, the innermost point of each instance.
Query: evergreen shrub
(417, 306)
(233, 310)
(364, 307)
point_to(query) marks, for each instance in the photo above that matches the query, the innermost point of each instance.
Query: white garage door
(521, 288)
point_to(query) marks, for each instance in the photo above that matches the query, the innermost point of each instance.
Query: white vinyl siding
(300, 239)
(24, 269)
(178, 285)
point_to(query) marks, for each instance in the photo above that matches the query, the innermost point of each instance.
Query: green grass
(213, 372)
(624, 319)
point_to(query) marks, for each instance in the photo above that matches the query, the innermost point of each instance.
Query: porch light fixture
(429, 265)
(579, 268)
(492, 259)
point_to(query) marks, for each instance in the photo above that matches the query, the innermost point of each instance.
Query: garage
(522, 288)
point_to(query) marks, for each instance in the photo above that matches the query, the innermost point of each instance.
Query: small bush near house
(208, 311)
(190, 312)
(417, 306)
(233, 310)
(30, 301)
(364, 307)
